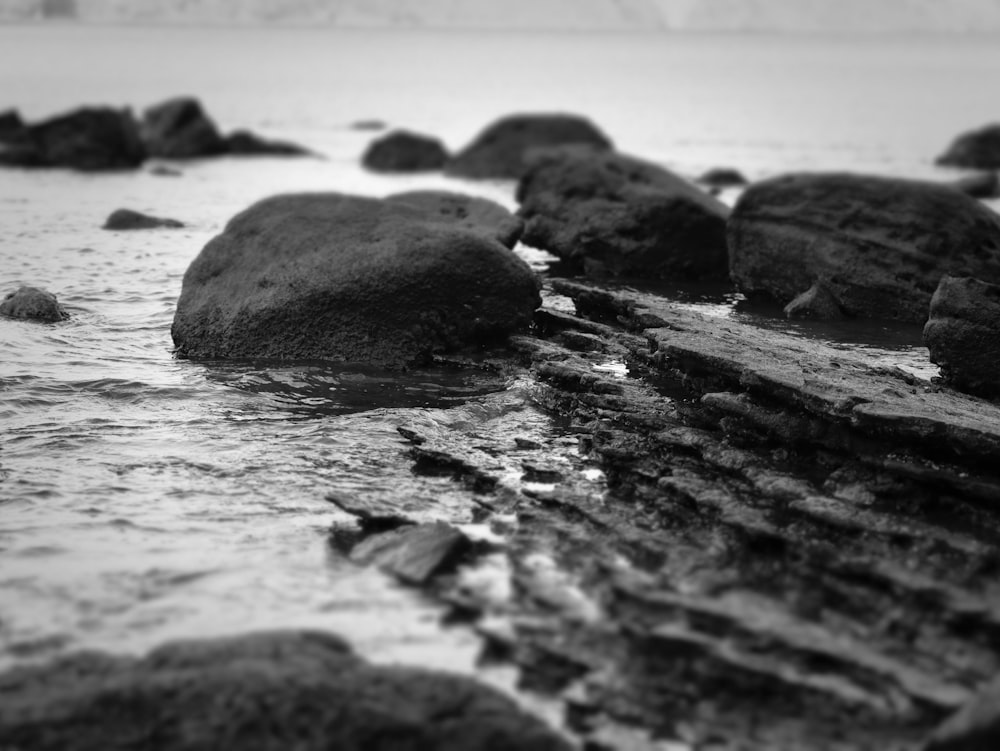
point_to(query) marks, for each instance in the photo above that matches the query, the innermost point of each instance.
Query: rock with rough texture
(723, 177)
(414, 554)
(90, 139)
(33, 304)
(979, 185)
(504, 149)
(125, 219)
(478, 215)
(816, 303)
(180, 129)
(618, 215)
(349, 279)
(246, 143)
(963, 334)
(402, 151)
(269, 691)
(880, 245)
(975, 727)
(977, 149)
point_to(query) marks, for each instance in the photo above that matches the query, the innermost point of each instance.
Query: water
(144, 497)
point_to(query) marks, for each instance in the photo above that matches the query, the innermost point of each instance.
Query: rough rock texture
(337, 277)
(617, 215)
(977, 149)
(975, 727)
(180, 129)
(817, 303)
(124, 219)
(270, 691)
(881, 245)
(402, 151)
(475, 214)
(90, 138)
(503, 150)
(32, 303)
(963, 334)
(414, 554)
(245, 143)
(723, 177)
(979, 185)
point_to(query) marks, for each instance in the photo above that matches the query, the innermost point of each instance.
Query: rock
(502, 149)
(32, 303)
(268, 691)
(373, 510)
(402, 151)
(723, 177)
(368, 125)
(975, 727)
(414, 554)
(880, 245)
(979, 185)
(816, 303)
(478, 215)
(349, 279)
(16, 147)
(618, 215)
(963, 334)
(90, 138)
(977, 149)
(179, 129)
(123, 219)
(245, 143)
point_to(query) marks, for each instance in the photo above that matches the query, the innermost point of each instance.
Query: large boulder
(32, 304)
(476, 214)
(127, 219)
(506, 148)
(270, 691)
(350, 279)
(613, 214)
(879, 245)
(963, 334)
(90, 138)
(16, 146)
(403, 151)
(977, 149)
(179, 128)
(979, 185)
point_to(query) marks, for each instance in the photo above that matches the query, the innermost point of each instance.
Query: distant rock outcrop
(33, 304)
(403, 151)
(179, 128)
(723, 177)
(977, 149)
(127, 219)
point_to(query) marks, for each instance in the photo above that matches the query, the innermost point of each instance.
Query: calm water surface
(143, 497)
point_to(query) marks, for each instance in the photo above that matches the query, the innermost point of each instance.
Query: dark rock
(268, 691)
(979, 185)
(479, 215)
(414, 554)
(963, 334)
(373, 510)
(977, 149)
(402, 151)
(91, 138)
(351, 279)
(245, 143)
(880, 245)
(11, 125)
(816, 303)
(162, 170)
(975, 727)
(723, 177)
(32, 303)
(122, 219)
(503, 149)
(179, 129)
(618, 215)
(369, 125)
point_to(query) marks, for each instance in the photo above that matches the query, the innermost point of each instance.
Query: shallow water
(144, 497)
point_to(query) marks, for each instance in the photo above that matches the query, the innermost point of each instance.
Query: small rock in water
(414, 554)
(368, 125)
(179, 129)
(980, 185)
(975, 727)
(88, 139)
(723, 177)
(403, 151)
(34, 304)
(245, 143)
(816, 303)
(977, 149)
(372, 512)
(123, 219)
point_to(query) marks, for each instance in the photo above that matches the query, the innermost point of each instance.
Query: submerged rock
(963, 334)
(617, 215)
(370, 125)
(179, 128)
(350, 279)
(504, 149)
(414, 554)
(402, 151)
(977, 149)
(980, 185)
(880, 245)
(268, 691)
(246, 143)
(34, 304)
(124, 219)
(816, 303)
(476, 214)
(975, 727)
(723, 177)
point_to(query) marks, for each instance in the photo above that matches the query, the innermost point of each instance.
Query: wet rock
(126, 219)
(16, 147)
(34, 304)
(403, 151)
(504, 149)
(162, 170)
(963, 334)
(349, 279)
(816, 303)
(11, 125)
(723, 177)
(245, 143)
(977, 149)
(975, 727)
(880, 245)
(979, 185)
(479, 215)
(266, 691)
(617, 215)
(414, 554)
(537, 472)
(89, 139)
(179, 128)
